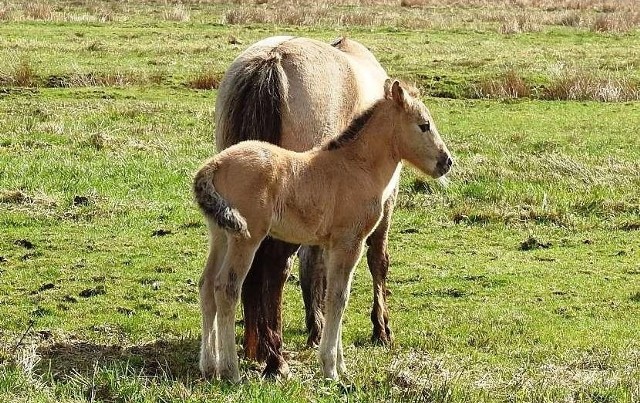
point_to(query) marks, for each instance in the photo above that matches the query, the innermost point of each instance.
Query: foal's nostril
(449, 162)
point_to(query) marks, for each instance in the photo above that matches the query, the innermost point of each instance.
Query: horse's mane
(352, 131)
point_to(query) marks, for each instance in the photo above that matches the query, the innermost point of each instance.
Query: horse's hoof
(331, 375)
(382, 337)
(277, 369)
(313, 342)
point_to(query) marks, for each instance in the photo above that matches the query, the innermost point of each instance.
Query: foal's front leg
(240, 253)
(340, 264)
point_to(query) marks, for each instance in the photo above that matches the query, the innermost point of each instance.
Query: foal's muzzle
(444, 164)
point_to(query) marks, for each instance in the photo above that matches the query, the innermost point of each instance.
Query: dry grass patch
(95, 79)
(508, 85)
(22, 74)
(521, 22)
(14, 197)
(38, 11)
(580, 85)
(178, 13)
(616, 22)
(6, 12)
(570, 19)
(206, 80)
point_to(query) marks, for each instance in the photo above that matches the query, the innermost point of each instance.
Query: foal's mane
(352, 131)
(357, 124)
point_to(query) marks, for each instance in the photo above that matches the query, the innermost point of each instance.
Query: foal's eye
(424, 127)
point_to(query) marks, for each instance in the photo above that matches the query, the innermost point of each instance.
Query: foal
(332, 197)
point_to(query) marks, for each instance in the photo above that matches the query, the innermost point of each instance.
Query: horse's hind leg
(208, 348)
(228, 282)
(262, 301)
(378, 262)
(313, 285)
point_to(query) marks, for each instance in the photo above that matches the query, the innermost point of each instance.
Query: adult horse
(278, 91)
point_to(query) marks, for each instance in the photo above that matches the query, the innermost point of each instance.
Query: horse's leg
(262, 301)
(313, 285)
(228, 282)
(340, 264)
(208, 348)
(378, 262)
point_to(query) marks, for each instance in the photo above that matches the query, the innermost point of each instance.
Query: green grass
(101, 245)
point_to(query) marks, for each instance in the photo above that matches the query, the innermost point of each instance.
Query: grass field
(518, 282)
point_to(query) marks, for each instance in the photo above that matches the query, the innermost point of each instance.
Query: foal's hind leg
(378, 262)
(313, 285)
(208, 348)
(228, 282)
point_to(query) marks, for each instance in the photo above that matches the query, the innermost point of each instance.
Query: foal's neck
(373, 149)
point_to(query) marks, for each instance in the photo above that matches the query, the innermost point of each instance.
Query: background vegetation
(518, 282)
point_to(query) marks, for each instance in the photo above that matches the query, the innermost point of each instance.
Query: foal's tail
(214, 206)
(250, 99)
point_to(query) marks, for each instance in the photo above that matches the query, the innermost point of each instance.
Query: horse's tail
(251, 100)
(214, 206)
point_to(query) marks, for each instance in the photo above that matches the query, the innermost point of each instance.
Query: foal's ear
(398, 93)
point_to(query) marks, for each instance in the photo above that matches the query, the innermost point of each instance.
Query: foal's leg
(378, 262)
(313, 284)
(340, 264)
(240, 253)
(208, 348)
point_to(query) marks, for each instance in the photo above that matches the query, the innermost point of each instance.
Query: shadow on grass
(173, 360)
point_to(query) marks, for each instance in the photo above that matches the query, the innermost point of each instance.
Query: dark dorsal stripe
(351, 133)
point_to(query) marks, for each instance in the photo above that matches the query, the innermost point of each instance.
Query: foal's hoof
(208, 371)
(230, 375)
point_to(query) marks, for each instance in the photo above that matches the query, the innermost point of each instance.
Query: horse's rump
(252, 103)
(294, 92)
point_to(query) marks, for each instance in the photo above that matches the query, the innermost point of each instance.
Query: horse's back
(321, 88)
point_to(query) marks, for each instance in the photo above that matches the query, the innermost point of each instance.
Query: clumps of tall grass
(178, 13)
(581, 85)
(205, 80)
(617, 22)
(518, 23)
(6, 12)
(283, 15)
(14, 197)
(21, 74)
(508, 85)
(38, 11)
(45, 11)
(564, 84)
(94, 79)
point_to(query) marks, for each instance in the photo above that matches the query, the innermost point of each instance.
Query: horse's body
(276, 91)
(332, 197)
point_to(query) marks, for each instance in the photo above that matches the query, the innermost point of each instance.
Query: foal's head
(419, 140)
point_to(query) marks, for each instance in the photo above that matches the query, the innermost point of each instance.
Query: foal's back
(282, 192)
